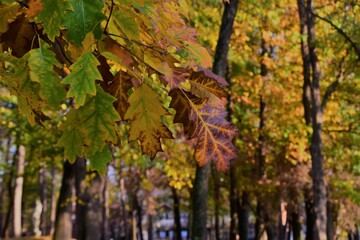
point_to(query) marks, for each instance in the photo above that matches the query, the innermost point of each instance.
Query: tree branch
(341, 32)
(332, 87)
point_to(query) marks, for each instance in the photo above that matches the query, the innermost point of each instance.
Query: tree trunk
(177, 222)
(19, 191)
(202, 174)
(234, 204)
(93, 209)
(80, 188)
(216, 202)
(43, 199)
(4, 227)
(150, 227)
(332, 214)
(244, 216)
(319, 188)
(261, 174)
(138, 209)
(200, 191)
(310, 215)
(296, 226)
(63, 222)
(53, 202)
(105, 211)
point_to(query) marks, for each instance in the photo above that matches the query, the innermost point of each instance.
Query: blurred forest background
(268, 192)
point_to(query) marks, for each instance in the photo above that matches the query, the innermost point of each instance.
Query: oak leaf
(82, 78)
(145, 113)
(206, 123)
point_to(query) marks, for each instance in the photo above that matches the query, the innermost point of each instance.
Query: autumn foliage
(102, 63)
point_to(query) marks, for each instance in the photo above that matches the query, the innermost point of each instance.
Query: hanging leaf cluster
(106, 61)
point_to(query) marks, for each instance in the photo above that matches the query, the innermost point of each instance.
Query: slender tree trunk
(244, 216)
(150, 227)
(43, 199)
(200, 192)
(332, 214)
(19, 191)
(4, 227)
(80, 188)
(216, 202)
(138, 208)
(202, 174)
(63, 222)
(93, 209)
(234, 204)
(319, 188)
(123, 217)
(105, 210)
(260, 206)
(310, 215)
(177, 222)
(296, 226)
(53, 202)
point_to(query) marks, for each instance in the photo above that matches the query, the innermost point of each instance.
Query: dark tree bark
(177, 222)
(310, 215)
(138, 210)
(150, 227)
(244, 215)
(202, 174)
(5, 226)
(216, 186)
(296, 226)
(234, 203)
(93, 208)
(261, 171)
(80, 188)
(200, 192)
(311, 71)
(319, 188)
(53, 201)
(105, 211)
(43, 199)
(63, 222)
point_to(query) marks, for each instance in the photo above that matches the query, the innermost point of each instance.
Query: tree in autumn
(103, 62)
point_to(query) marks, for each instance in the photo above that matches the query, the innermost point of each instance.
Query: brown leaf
(19, 37)
(113, 47)
(208, 124)
(119, 88)
(206, 81)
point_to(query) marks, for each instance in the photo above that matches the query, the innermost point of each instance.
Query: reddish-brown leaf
(119, 88)
(206, 81)
(206, 123)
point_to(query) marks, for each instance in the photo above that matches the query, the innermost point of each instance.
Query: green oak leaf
(85, 18)
(87, 129)
(82, 78)
(97, 118)
(20, 84)
(71, 139)
(52, 15)
(41, 63)
(100, 160)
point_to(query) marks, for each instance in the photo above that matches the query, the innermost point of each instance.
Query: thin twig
(108, 20)
(341, 32)
(137, 42)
